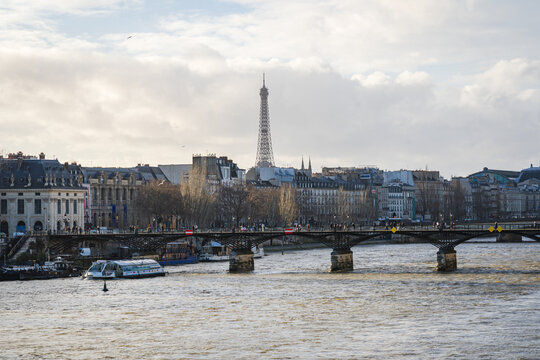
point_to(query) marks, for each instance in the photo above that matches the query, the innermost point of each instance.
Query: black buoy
(105, 286)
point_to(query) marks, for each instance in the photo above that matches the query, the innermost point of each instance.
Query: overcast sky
(448, 85)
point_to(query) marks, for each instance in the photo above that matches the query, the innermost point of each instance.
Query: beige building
(40, 195)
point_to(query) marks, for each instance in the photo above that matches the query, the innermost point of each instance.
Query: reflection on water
(393, 305)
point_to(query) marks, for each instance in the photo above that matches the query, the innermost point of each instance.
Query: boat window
(95, 267)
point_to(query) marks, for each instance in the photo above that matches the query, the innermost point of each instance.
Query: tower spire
(302, 163)
(265, 156)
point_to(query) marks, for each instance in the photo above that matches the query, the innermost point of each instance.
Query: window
(20, 206)
(67, 206)
(59, 207)
(3, 206)
(37, 206)
(38, 194)
(75, 206)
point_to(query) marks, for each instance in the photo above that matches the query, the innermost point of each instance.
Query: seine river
(393, 306)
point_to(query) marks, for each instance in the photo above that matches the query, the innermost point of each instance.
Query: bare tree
(198, 199)
(158, 202)
(233, 203)
(480, 204)
(263, 205)
(288, 207)
(458, 207)
(427, 194)
(343, 206)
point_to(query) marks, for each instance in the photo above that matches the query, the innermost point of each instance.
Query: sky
(452, 85)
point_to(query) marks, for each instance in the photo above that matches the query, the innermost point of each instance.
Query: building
(218, 170)
(112, 193)
(429, 192)
(40, 195)
(176, 173)
(398, 196)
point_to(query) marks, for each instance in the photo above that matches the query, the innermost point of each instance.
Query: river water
(392, 306)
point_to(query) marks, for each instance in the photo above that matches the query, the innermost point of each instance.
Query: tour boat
(110, 269)
(59, 268)
(217, 252)
(178, 252)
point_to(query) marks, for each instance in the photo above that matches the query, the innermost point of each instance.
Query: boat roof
(130, 262)
(135, 262)
(178, 242)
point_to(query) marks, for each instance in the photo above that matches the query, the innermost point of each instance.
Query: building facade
(40, 195)
(113, 193)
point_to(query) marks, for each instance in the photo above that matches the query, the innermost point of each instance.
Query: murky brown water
(392, 306)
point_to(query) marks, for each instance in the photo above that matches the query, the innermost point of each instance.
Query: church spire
(302, 163)
(309, 166)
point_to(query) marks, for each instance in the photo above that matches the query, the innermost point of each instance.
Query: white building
(40, 195)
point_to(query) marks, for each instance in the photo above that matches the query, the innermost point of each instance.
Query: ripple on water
(393, 305)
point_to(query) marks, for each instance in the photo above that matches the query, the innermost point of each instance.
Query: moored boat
(215, 251)
(178, 252)
(110, 269)
(59, 268)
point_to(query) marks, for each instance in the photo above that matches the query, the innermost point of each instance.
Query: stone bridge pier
(241, 260)
(341, 260)
(446, 260)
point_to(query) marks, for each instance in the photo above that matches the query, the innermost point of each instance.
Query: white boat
(217, 252)
(110, 269)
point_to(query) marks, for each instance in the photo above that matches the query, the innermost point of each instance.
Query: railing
(19, 245)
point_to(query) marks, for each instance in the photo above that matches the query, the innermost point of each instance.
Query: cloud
(351, 83)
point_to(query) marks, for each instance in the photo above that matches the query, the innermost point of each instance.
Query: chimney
(42, 156)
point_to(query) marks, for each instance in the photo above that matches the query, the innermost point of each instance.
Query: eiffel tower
(265, 156)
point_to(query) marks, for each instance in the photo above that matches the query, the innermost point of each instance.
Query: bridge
(340, 241)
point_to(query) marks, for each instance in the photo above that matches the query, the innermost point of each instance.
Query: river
(392, 306)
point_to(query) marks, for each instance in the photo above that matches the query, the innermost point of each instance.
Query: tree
(343, 206)
(263, 205)
(480, 203)
(288, 207)
(457, 203)
(198, 199)
(233, 203)
(158, 201)
(428, 202)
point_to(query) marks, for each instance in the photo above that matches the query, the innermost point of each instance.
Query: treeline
(199, 202)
